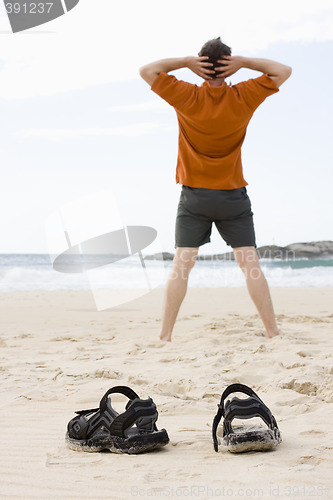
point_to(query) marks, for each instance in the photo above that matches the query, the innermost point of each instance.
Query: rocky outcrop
(310, 250)
(275, 252)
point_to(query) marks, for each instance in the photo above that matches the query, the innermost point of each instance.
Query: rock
(311, 250)
(274, 252)
(160, 256)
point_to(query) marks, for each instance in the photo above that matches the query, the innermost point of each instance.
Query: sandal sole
(243, 440)
(115, 444)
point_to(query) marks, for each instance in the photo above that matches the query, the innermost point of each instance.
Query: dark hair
(215, 50)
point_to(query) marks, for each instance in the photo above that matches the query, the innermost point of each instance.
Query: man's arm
(198, 65)
(278, 72)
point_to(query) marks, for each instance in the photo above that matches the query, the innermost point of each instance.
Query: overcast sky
(77, 119)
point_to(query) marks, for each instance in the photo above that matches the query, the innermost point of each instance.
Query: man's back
(212, 127)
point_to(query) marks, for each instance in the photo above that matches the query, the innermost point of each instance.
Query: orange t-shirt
(212, 127)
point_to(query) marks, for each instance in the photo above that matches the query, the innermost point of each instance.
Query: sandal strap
(245, 409)
(142, 412)
(237, 388)
(119, 389)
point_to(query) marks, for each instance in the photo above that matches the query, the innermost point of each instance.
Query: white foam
(20, 273)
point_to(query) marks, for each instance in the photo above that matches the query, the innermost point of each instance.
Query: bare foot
(166, 338)
(270, 335)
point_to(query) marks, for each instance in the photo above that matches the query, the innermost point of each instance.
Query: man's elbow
(142, 71)
(148, 75)
(288, 71)
(284, 75)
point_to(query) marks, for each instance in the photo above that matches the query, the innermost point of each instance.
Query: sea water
(22, 272)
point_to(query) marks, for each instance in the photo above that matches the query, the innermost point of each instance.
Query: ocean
(24, 272)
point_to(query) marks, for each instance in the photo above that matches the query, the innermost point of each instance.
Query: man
(212, 125)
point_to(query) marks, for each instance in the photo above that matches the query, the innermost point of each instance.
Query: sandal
(245, 438)
(104, 429)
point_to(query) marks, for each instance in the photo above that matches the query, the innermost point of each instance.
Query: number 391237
(29, 7)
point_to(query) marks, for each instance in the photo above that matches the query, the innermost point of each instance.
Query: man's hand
(201, 67)
(229, 65)
(278, 72)
(198, 65)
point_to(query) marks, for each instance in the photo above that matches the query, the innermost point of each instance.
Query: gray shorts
(229, 209)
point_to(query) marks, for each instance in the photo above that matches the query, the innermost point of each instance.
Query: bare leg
(248, 261)
(176, 288)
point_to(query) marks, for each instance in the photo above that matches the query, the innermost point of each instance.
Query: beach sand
(59, 354)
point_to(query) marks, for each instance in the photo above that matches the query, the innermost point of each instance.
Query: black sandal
(104, 429)
(241, 438)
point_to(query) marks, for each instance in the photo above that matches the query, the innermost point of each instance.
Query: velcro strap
(245, 409)
(142, 412)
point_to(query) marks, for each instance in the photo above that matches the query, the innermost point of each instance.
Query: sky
(76, 119)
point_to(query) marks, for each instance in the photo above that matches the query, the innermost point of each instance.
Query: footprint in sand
(138, 381)
(306, 387)
(107, 374)
(158, 344)
(304, 354)
(294, 365)
(234, 331)
(136, 351)
(309, 459)
(179, 389)
(310, 432)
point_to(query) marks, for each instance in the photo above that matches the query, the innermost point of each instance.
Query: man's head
(215, 50)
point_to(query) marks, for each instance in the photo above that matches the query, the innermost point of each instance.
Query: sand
(58, 355)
